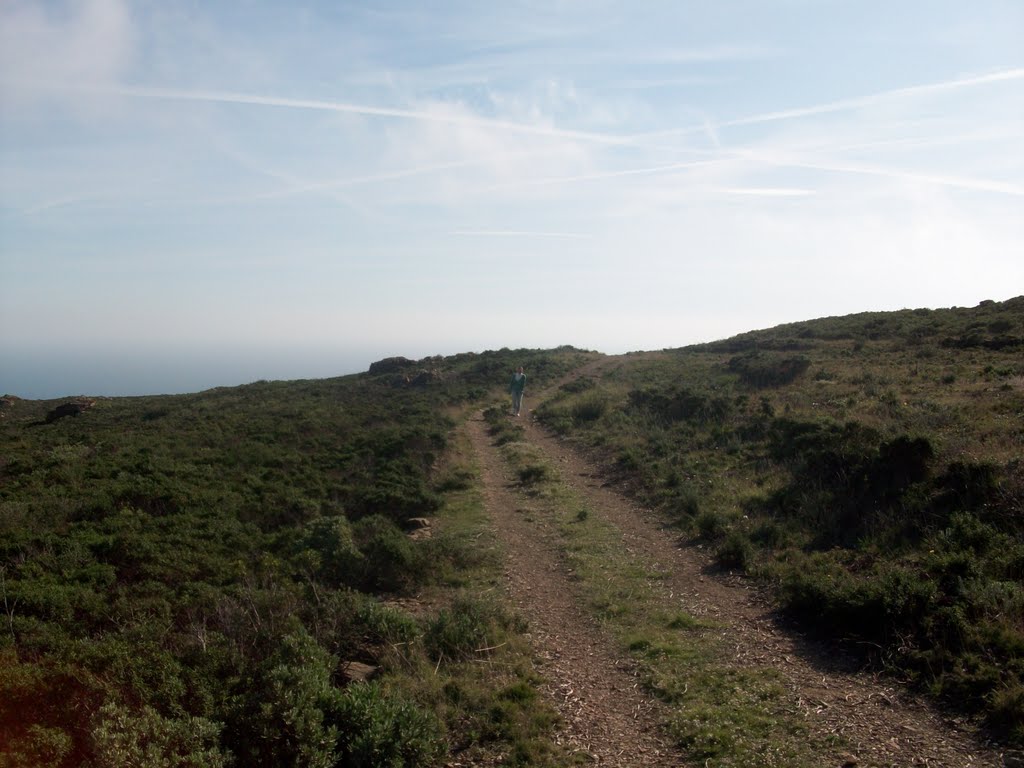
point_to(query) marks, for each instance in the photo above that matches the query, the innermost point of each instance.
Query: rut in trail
(594, 686)
(595, 690)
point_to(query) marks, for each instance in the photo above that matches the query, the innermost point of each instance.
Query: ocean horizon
(39, 375)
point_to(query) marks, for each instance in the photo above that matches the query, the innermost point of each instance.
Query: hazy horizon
(53, 373)
(272, 177)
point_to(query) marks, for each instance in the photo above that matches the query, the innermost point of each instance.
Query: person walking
(516, 387)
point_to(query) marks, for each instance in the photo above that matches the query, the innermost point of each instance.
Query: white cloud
(90, 42)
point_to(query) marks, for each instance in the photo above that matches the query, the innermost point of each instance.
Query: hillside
(188, 580)
(196, 580)
(869, 468)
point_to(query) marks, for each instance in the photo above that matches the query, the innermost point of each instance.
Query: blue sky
(196, 194)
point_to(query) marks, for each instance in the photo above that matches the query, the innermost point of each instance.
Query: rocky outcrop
(390, 365)
(423, 378)
(73, 408)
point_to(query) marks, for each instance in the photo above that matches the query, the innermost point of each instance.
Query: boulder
(73, 408)
(357, 672)
(389, 365)
(417, 528)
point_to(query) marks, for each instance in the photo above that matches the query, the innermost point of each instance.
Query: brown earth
(593, 684)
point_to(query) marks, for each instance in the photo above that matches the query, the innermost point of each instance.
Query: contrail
(519, 233)
(772, 191)
(230, 97)
(843, 104)
(959, 182)
(600, 176)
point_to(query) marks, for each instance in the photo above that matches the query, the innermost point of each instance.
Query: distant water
(38, 375)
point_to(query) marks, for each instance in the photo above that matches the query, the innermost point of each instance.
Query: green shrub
(391, 562)
(879, 604)
(456, 479)
(711, 524)
(759, 369)
(500, 427)
(532, 474)
(469, 627)
(381, 729)
(589, 408)
(1007, 711)
(680, 404)
(683, 505)
(735, 552)
(287, 721)
(339, 560)
(126, 738)
(555, 417)
(581, 384)
(384, 624)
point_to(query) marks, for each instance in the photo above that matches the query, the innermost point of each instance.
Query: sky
(198, 194)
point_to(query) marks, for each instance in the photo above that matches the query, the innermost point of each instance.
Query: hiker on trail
(516, 387)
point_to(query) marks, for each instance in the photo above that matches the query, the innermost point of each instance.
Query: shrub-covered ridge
(870, 467)
(185, 580)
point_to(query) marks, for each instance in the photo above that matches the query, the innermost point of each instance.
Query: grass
(472, 664)
(186, 575)
(842, 461)
(718, 716)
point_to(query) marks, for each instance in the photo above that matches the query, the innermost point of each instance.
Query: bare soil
(609, 720)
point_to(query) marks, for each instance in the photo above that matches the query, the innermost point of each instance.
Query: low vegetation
(196, 580)
(869, 467)
(193, 580)
(718, 715)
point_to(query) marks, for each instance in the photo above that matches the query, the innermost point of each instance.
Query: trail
(594, 689)
(593, 684)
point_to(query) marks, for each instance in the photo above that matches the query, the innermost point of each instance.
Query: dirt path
(593, 686)
(594, 689)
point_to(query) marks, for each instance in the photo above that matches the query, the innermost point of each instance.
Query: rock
(418, 528)
(423, 378)
(357, 672)
(389, 365)
(69, 409)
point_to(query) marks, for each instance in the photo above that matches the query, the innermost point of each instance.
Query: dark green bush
(532, 474)
(338, 560)
(468, 628)
(711, 524)
(288, 721)
(390, 560)
(735, 552)
(381, 729)
(759, 369)
(589, 408)
(126, 738)
(680, 404)
(879, 604)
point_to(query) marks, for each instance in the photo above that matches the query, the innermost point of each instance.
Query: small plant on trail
(468, 628)
(534, 474)
(736, 552)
